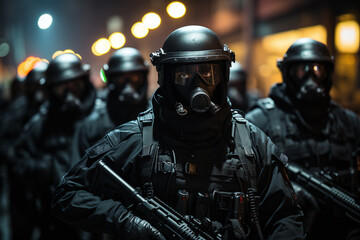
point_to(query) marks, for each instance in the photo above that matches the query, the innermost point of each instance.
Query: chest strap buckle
(191, 168)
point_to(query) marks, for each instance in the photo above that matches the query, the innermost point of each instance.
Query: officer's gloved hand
(308, 204)
(136, 228)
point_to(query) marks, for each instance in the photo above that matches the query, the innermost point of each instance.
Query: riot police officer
(14, 118)
(189, 150)
(127, 85)
(239, 96)
(312, 130)
(45, 151)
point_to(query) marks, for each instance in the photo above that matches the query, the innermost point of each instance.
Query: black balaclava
(125, 101)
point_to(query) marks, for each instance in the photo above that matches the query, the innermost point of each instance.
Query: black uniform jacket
(88, 199)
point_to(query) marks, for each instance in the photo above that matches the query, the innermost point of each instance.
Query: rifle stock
(169, 222)
(334, 194)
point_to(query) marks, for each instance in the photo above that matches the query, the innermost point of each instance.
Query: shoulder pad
(266, 103)
(145, 118)
(111, 140)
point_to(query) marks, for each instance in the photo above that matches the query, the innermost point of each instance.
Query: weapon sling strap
(243, 145)
(149, 147)
(247, 168)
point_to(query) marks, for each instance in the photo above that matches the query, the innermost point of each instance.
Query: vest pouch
(229, 205)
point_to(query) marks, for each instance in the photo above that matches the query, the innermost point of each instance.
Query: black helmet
(37, 75)
(237, 73)
(306, 49)
(126, 59)
(64, 68)
(191, 44)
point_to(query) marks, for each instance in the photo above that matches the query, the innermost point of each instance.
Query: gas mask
(312, 86)
(67, 96)
(36, 95)
(310, 81)
(196, 84)
(70, 104)
(127, 88)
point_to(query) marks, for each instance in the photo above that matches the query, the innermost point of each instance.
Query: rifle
(170, 223)
(326, 191)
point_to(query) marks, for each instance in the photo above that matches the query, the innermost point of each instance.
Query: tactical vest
(336, 151)
(240, 168)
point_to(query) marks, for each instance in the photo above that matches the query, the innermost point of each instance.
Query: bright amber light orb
(101, 46)
(176, 9)
(347, 37)
(26, 66)
(139, 30)
(117, 40)
(59, 52)
(151, 20)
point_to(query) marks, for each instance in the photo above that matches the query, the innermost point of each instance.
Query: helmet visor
(209, 73)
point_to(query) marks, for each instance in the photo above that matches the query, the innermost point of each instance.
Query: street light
(101, 46)
(139, 30)
(347, 36)
(45, 21)
(117, 40)
(176, 9)
(151, 20)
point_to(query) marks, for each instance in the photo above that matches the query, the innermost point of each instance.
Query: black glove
(309, 206)
(139, 229)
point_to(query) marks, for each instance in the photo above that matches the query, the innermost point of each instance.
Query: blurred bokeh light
(139, 30)
(101, 47)
(117, 40)
(176, 9)
(115, 24)
(347, 37)
(4, 49)
(45, 21)
(26, 66)
(59, 52)
(151, 20)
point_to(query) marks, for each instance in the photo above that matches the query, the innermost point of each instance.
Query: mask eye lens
(320, 71)
(209, 73)
(206, 75)
(299, 71)
(181, 78)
